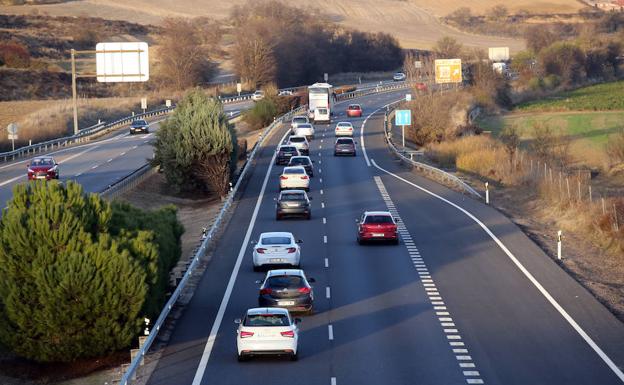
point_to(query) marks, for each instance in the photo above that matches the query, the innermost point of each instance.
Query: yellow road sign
(448, 71)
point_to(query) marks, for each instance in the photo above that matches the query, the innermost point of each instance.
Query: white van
(321, 115)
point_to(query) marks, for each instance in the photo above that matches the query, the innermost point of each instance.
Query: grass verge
(599, 97)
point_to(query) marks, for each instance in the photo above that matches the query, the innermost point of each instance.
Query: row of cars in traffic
(271, 328)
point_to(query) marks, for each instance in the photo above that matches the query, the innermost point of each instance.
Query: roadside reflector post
(559, 236)
(487, 193)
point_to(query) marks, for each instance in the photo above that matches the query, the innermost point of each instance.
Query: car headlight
(30, 170)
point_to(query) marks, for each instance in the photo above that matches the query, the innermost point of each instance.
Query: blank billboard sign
(122, 62)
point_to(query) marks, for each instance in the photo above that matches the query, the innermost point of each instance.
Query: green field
(601, 97)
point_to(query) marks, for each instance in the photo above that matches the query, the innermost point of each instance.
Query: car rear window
(285, 282)
(276, 241)
(304, 125)
(344, 124)
(354, 107)
(299, 161)
(295, 139)
(293, 197)
(266, 320)
(344, 141)
(300, 119)
(288, 149)
(378, 219)
(294, 171)
(322, 110)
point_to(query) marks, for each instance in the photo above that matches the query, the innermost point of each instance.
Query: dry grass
(415, 23)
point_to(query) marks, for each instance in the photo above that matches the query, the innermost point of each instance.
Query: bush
(551, 82)
(14, 55)
(563, 59)
(536, 84)
(262, 113)
(75, 283)
(615, 147)
(196, 146)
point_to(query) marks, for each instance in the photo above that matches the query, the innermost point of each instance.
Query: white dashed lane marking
(327, 292)
(326, 262)
(330, 332)
(444, 316)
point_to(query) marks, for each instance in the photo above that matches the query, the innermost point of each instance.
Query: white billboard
(122, 62)
(498, 53)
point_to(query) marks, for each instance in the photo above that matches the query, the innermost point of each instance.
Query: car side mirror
(396, 219)
(313, 161)
(310, 198)
(238, 321)
(357, 221)
(311, 280)
(297, 320)
(254, 242)
(275, 199)
(299, 241)
(27, 164)
(355, 142)
(258, 281)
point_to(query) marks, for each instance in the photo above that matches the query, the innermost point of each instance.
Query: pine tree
(196, 145)
(74, 284)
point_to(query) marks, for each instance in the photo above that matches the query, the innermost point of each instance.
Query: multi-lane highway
(465, 298)
(97, 164)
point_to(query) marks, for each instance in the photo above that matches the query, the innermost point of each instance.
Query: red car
(354, 111)
(377, 226)
(43, 167)
(421, 86)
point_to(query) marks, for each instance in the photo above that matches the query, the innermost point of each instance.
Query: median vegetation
(80, 274)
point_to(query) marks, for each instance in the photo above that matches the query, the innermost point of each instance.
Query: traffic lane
(180, 358)
(313, 364)
(458, 246)
(382, 319)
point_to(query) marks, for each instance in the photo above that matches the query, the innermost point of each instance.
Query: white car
(297, 120)
(277, 248)
(267, 331)
(285, 93)
(294, 178)
(258, 95)
(344, 129)
(305, 129)
(322, 115)
(399, 77)
(300, 142)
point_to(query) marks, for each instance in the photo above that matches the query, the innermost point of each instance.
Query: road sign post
(559, 236)
(12, 130)
(403, 118)
(448, 71)
(144, 104)
(239, 88)
(325, 77)
(408, 97)
(168, 103)
(487, 193)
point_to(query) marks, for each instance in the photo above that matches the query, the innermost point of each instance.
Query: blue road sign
(403, 117)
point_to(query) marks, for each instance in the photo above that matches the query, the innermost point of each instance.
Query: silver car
(297, 120)
(301, 143)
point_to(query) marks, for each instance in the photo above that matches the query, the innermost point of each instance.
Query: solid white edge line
(362, 144)
(199, 374)
(526, 273)
(11, 180)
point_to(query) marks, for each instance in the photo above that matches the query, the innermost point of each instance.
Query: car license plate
(378, 234)
(277, 260)
(285, 303)
(292, 204)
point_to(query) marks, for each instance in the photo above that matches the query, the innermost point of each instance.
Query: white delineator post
(559, 236)
(487, 193)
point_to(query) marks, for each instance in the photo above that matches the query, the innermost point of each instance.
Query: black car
(284, 153)
(139, 125)
(304, 161)
(293, 203)
(287, 288)
(344, 146)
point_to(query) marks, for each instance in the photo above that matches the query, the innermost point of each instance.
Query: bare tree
(184, 60)
(253, 56)
(448, 48)
(510, 138)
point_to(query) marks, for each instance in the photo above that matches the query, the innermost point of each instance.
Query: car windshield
(42, 162)
(304, 125)
(289, 149)
(299, 161)
(139, 123)
(378, 219)
(354, 107)
(276, 241)
(295, 139)
(293, 197)
(322, 110)
(344, 141)
(285, 281)
(294, 171)
(300, 119)
(266, 320)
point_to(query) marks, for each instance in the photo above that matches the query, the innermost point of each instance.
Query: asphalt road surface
(465, 297)
(96, 164)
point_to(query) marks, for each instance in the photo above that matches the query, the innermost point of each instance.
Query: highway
(98, 163)
(465, 298)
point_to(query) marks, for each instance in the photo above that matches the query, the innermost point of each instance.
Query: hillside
(415, 22)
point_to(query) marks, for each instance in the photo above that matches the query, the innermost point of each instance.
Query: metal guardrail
(128, 182)
(434, 172)
(210, 237)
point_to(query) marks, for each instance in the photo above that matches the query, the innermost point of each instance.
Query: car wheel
(278, 217)
(256, 268)
(242, 358)
(360, 241)
(294, 356)
(395, 242)
(310, 311)
(309, 216)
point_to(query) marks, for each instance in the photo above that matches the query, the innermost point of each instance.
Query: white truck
(320, 102)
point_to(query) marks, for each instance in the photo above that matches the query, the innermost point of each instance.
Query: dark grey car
(287, 288)
(293, 203)
(304, 161)
(344, 146)
(139, 125)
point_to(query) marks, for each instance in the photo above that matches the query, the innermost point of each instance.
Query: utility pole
(74, 97)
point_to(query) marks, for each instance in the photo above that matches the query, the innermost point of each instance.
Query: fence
(432, 172)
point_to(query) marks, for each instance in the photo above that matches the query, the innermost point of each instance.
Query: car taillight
(291, 249)
(350, 128)
(304, 177)
(244, 334)
(283, 177)
(304, 290)
(260, 250)
(289, 334)
(267, 290)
